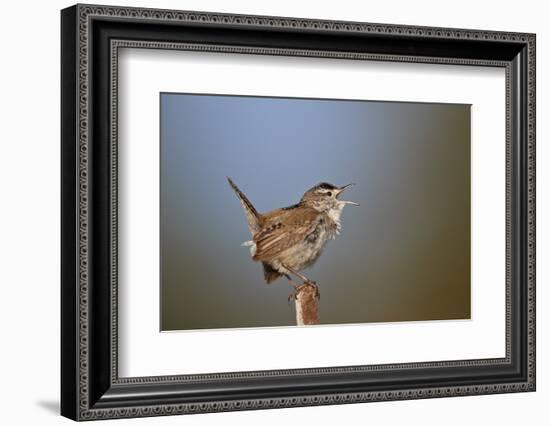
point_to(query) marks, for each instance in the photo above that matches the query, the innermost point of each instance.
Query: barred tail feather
(252, 216)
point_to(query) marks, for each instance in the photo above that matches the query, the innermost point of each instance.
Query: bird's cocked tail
(252, 216)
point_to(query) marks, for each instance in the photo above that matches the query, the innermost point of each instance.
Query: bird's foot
(316, 287)
(294, 294)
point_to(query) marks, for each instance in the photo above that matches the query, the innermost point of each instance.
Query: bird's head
(324, 197)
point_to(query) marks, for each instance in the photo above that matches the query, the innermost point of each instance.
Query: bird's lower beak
(342, 189)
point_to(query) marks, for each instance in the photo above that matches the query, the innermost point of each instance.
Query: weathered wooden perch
(307, 305)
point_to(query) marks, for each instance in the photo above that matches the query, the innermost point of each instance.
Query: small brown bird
(289, 239)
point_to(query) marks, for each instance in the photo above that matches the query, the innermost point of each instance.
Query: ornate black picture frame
(90, 385)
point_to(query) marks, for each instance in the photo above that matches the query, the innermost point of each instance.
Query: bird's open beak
(342, 189)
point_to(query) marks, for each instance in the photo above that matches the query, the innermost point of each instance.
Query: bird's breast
(317, 239)
(306, 253)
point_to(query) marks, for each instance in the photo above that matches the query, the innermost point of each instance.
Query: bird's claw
(294, 294)
(314, 285)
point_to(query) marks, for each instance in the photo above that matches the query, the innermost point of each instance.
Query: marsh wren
(290, 239)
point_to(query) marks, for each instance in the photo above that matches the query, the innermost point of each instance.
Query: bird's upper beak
(342, 189)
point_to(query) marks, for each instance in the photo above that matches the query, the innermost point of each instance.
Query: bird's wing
(283, 230)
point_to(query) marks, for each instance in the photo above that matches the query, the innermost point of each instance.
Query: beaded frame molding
(91, 38)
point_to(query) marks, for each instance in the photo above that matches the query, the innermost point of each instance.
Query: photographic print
(356, 210)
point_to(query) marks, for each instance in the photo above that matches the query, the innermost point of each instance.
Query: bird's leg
(294, 293)
(292, 283)
(305, 279)
(299, 275)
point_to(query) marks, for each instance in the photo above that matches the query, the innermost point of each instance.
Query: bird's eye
(329, 194)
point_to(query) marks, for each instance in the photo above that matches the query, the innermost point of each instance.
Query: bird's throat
(335, 214)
